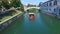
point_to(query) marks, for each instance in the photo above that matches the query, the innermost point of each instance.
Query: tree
(0, 4)
(30, 5)
(21, 6)
(40, 4)
(5, 3)
(15, 3)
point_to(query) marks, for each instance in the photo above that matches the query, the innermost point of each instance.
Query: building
(51, 7)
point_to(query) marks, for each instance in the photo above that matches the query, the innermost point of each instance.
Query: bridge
(26, 8)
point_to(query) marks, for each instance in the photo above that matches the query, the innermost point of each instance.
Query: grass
(8, 15)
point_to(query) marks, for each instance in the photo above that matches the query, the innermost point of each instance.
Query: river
(41, 24)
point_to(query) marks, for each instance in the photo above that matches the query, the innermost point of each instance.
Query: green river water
(41, 24)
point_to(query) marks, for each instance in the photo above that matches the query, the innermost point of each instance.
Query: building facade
(51, 7)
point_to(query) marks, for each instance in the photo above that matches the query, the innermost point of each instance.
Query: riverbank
(49, 14)
(8, 15)
(9, 20)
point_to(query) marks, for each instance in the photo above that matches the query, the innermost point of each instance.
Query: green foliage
(31, 10)
(17, 3)
(30, 5)
(22, 7)
(40, 4)
(5, 3)
(13, 3)
(0, 4)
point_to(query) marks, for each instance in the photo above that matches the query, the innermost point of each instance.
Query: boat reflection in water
(31, 15)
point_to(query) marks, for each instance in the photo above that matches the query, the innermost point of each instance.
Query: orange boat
(31, 16)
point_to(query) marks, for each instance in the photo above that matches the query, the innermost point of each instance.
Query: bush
(5, 3)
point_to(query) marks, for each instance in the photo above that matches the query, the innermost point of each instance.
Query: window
(55, 2)
(54, 10)
(50, 4)
(47, 4)
(51, 0)
(50, 9)
(59, 11)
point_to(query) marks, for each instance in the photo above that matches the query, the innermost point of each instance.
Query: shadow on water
(12, 27)
(52, 23)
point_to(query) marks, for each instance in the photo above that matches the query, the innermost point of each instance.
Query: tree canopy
(40, 4)
(5, 3)
(31, 5)
(13, 3)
